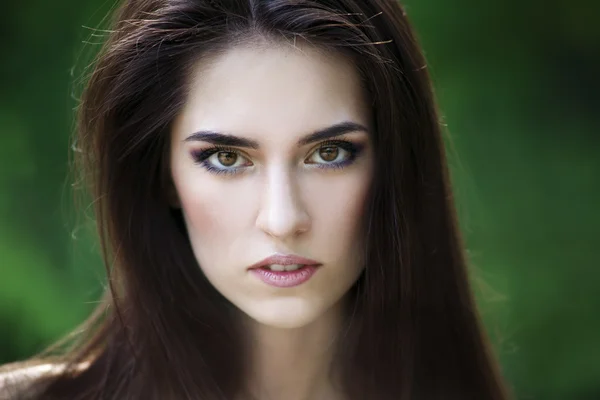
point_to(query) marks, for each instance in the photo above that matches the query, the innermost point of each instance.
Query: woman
(274, 206)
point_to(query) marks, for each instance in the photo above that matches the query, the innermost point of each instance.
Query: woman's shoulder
(17, 379)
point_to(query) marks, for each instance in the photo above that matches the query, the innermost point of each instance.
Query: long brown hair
(164, 332)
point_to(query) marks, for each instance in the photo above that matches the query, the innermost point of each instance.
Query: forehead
(274, 91)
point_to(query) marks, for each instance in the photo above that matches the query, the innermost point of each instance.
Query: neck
(294, 363)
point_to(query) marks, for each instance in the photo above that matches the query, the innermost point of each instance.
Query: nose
(282, 213)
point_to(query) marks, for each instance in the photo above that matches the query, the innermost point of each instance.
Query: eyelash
(353, 149)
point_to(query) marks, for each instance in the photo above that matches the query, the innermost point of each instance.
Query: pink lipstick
(285, 270)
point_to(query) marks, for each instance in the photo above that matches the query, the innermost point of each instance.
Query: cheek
(200, 217)
(338, 209)
(197, 206)
(216, 216)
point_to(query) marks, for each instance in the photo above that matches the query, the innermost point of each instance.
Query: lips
(281, 262)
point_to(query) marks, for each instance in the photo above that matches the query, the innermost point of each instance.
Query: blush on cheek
(214, 215)
(196, 197)
(200, 217)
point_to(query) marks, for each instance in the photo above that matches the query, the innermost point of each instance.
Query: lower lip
(285, 279)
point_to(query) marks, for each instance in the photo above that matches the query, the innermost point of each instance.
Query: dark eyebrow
(221, 139)
(237, 141)
(332, 131)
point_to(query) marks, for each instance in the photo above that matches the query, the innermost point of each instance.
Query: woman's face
(271, 155)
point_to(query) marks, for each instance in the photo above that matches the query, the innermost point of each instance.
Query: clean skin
(293, 178)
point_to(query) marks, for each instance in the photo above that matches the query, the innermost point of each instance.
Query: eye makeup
(350, 151)
(201, 157)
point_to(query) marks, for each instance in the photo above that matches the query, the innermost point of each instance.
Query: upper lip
(284, 259)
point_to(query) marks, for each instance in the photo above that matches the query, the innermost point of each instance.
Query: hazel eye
(334, 154)
(227, 158)
(329, 154)
(221, 160)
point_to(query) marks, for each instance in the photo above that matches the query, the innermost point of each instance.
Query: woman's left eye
(333, 154)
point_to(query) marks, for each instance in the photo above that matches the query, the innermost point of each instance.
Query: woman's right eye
(221, 161)
(225, 158)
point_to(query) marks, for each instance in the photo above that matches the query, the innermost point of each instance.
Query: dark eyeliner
(200, 157)
(353, 149)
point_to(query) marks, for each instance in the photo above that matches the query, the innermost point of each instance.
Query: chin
(287, 313)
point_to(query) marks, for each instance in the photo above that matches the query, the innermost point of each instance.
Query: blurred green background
(519, 91)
